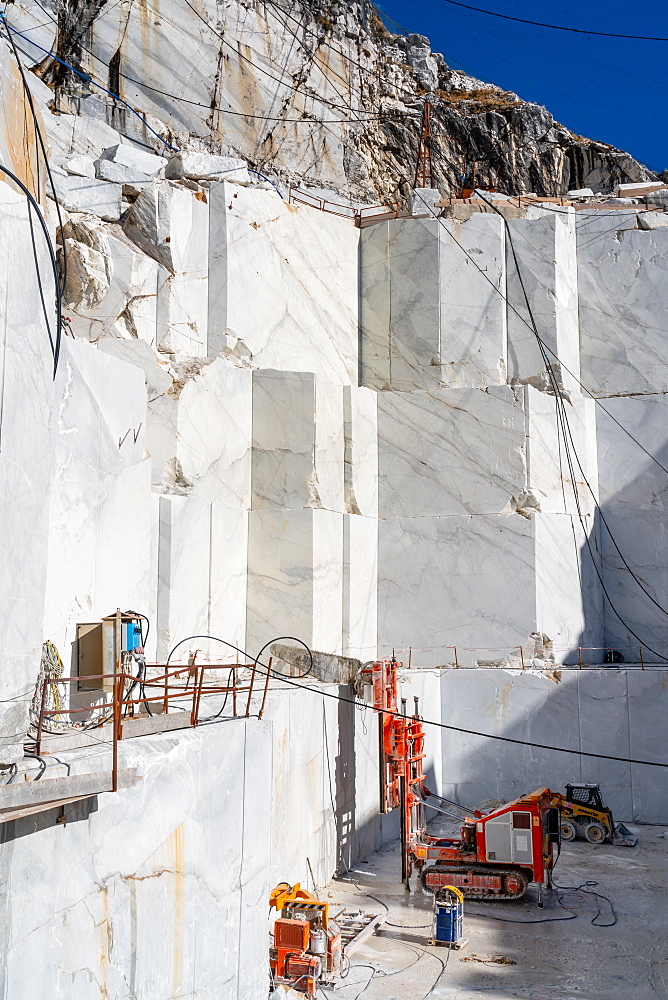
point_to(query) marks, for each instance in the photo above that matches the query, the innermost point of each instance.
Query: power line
(90, 80)
(556, 27)
(294, 682)
(32, 204)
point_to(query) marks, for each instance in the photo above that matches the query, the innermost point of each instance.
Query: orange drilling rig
(497, 855)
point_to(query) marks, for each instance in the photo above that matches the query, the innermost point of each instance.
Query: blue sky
(605, 88)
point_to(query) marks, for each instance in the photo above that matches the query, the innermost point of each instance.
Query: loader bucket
(622, 836)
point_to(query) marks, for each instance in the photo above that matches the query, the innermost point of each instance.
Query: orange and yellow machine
(497, 855)
(307, 946)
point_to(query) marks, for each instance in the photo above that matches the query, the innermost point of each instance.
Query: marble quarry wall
(560, 708)
(267, 422)
(161, 889)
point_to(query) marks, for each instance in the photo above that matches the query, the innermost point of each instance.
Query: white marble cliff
(266, 421)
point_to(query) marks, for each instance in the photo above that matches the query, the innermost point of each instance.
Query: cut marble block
(491, 581)
(295, 578)
(360, 586)
(430, 309)
(201, 575)
(199, 430)
(633, 502)
(26, 388)
(100, 512)
(171, 225)
(473, 346)
(623, 309)
(112, 286)
(298, 441)
(451, 451)
(182, 314)
(85, 194)
(285, 280)
(549, 478)
(329, 445)
(545, 249)
(400, 316)
(283, 439)
(360, 409)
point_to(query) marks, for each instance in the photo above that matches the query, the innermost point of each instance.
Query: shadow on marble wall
(633, 498)
(612, 711)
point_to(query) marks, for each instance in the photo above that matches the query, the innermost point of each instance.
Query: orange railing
(356, 215)
(155, 694)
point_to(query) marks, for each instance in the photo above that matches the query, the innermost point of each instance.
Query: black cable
(556, 27)
(220, 711)
(566, 433)
(292, 639)
(54, 264)
(586, 887)
(40, 138)
(295, 682)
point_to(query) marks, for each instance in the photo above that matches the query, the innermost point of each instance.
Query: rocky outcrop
(307, 93)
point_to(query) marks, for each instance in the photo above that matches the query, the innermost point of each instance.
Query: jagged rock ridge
(306, 93)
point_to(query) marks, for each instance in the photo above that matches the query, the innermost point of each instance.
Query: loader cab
(586, 794)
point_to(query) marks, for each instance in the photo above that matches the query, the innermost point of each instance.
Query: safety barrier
(170, 688)
(612, 655)
(359, 216)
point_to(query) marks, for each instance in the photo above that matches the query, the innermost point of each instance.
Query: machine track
(513, 881)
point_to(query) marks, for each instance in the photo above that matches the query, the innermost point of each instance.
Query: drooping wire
(55, 342)
(556, 27)
(94, 83)
(569, 448)
(40, 138)
(265, 669)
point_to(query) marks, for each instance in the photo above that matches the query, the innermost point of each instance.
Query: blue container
(448, 923)
(132, 636)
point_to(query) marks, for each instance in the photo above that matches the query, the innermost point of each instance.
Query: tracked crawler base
(476, 881)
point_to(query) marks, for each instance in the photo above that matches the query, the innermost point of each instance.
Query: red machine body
(497, 854)
(289, 960)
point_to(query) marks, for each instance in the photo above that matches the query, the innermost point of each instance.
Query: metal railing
(640, 654)
(172, 687)
(356, 215)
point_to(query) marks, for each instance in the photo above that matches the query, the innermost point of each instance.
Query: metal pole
(266, 686)
(580, 656)
(234, 692)
(165, 707)
(522, 657)
(40, 721)
(642, 662)
(410, 656)
(114, 756)
(193, 711)
(250, 689)
(456, 660)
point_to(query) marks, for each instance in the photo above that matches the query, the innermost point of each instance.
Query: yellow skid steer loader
(584, 815)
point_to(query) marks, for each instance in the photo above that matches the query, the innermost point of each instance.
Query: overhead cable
(40, 139)
(55, 341)
(556, 27)
(297, 683)
(94, 83)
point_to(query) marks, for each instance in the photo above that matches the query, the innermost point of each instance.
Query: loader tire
(595, 833)
(567, 830)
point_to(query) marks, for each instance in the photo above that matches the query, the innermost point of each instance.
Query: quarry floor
(564, 959)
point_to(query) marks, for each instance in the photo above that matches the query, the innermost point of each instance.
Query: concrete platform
(509, 953)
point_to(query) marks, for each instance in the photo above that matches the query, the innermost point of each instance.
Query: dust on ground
(517, 949)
